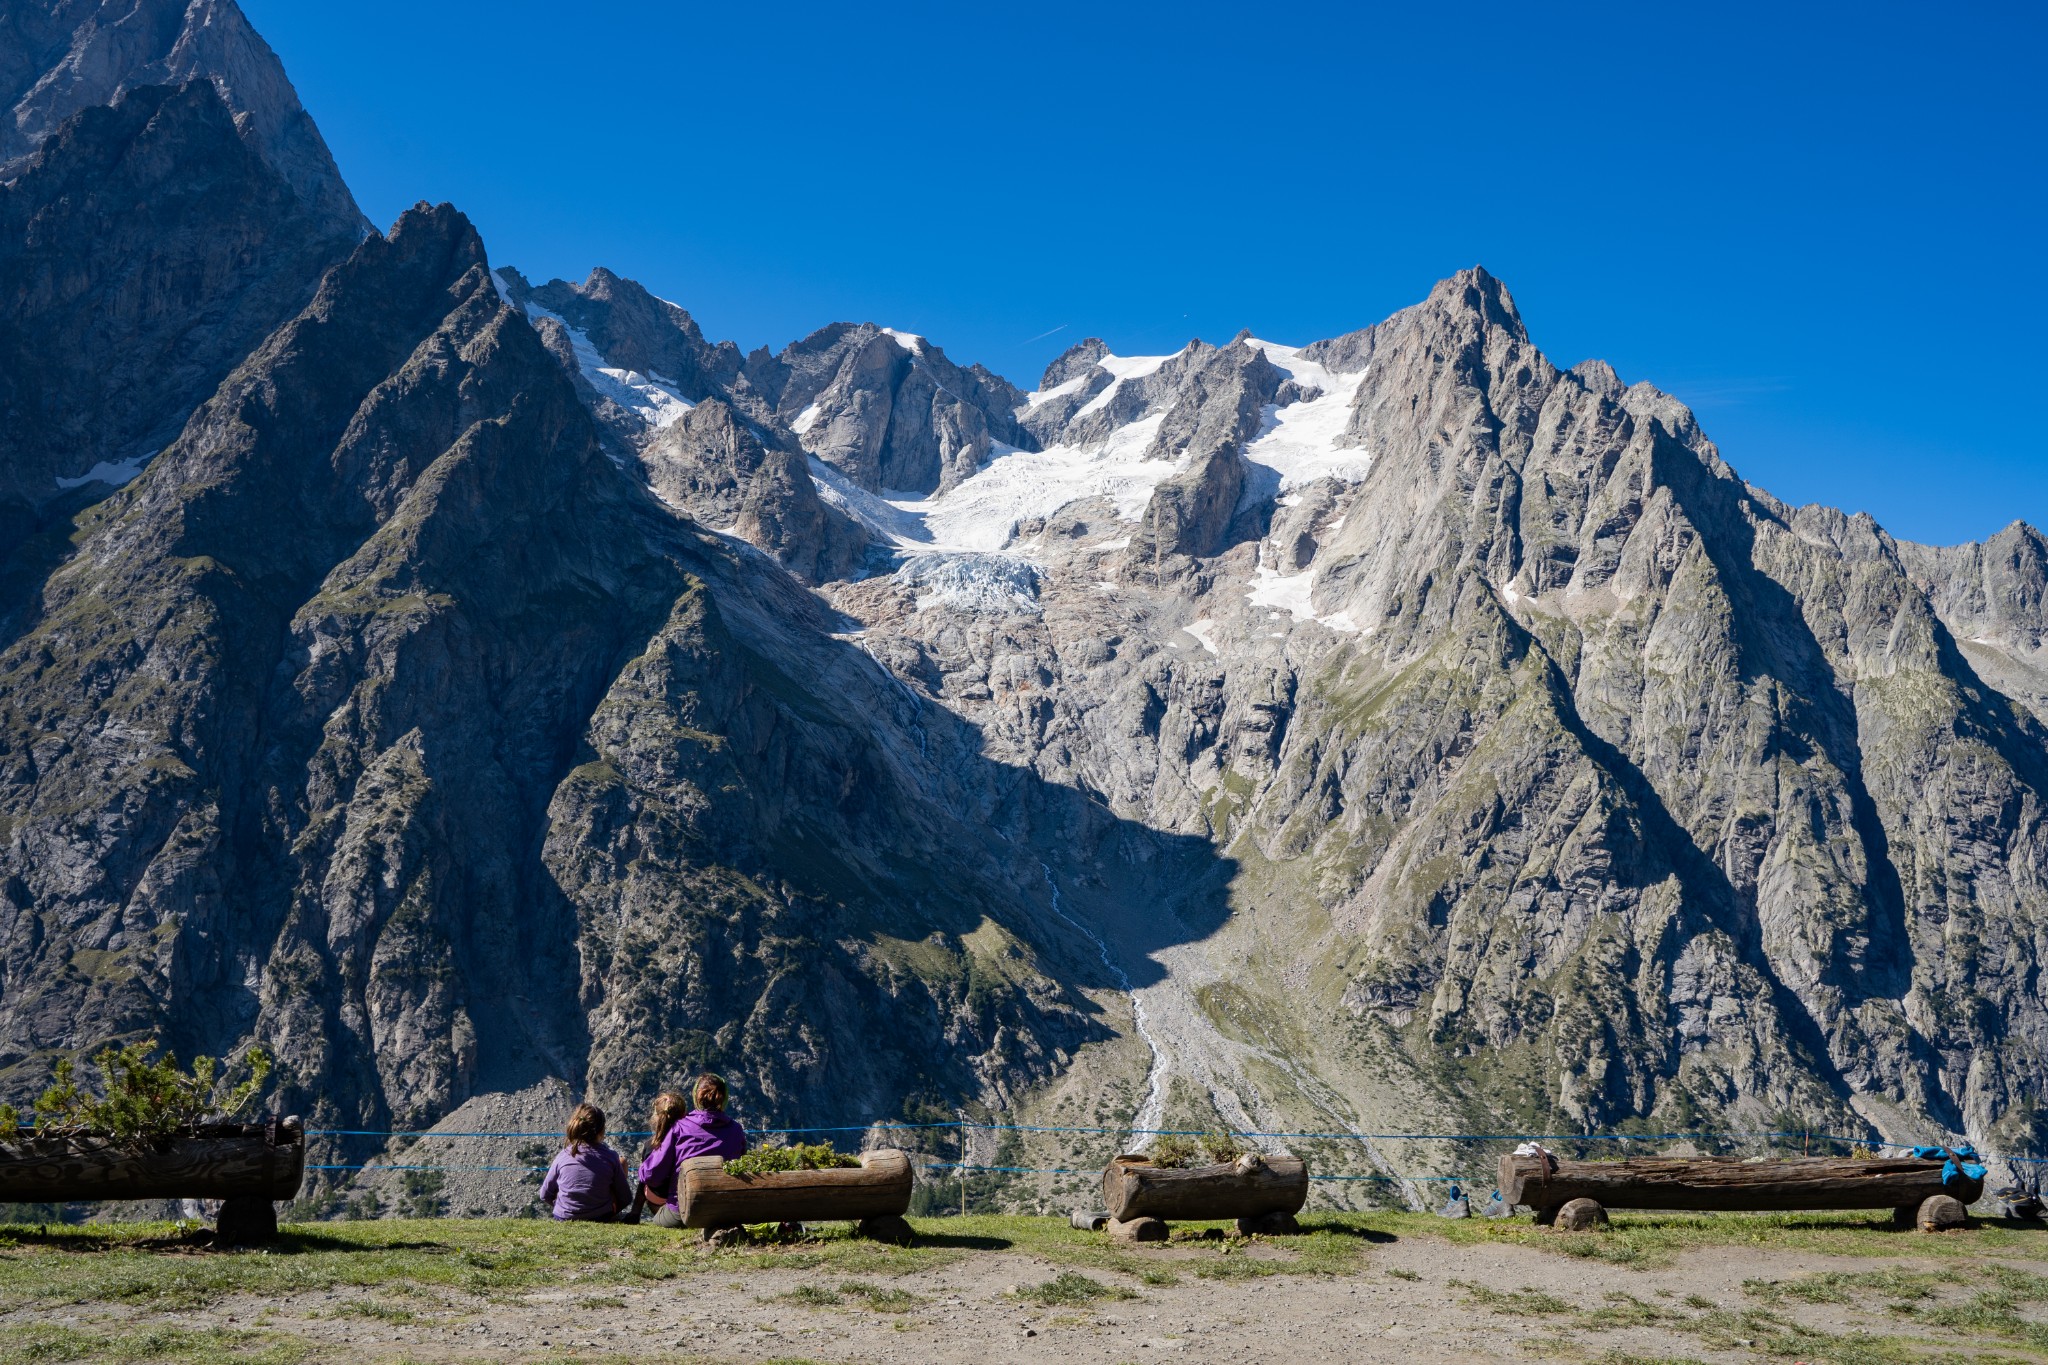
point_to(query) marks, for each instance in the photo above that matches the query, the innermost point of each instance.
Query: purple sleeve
(658, 1172)
(552, 1186)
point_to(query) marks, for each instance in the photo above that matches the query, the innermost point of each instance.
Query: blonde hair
(586, 1127)
(668, 1107)
(709, 1091)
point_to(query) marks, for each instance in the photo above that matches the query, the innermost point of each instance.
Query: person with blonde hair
(586, 1182)
(703, 1131)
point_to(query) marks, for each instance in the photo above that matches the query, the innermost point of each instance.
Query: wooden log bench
(875, 1194)
(1263, 1193)
(1586, 1189)
(246, 1166)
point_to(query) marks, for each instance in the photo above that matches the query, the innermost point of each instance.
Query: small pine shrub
(143, 1102)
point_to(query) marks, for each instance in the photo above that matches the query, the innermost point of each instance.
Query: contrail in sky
(1042, 335)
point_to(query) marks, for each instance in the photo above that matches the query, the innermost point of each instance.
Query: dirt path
(1404, 1303)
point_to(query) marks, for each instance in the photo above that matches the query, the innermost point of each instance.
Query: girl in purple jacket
(704, 1131)
(586, 1183)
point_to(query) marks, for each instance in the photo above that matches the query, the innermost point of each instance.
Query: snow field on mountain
(651, 398)
(1299, 443)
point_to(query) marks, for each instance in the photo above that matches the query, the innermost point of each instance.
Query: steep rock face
(719, 468)
(145, 250)
(1217, 409)
(889, 410)
(1617, 787)
(634, 330)
(63, 56)
(379, 791)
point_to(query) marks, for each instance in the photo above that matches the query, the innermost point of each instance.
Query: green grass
(1071, 1287)
(31, 1343)
(1991, 1318)
(1645, 1240)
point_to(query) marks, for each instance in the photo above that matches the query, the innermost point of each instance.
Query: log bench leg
(245, 1221)
(1546, 1216)
(1580, 1215)
(1940, 1212)
(888, 1228)
(1137, 1230)
(1269, 1225)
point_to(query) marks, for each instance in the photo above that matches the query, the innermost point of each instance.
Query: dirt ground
(1407, 1299)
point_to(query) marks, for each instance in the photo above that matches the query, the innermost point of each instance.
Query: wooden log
(1136, 1229)
(1087, 1220)
(888, 1228)
(1726, 1184)
(1132, 1187)
(877, 1188)
(1580, 1215)
(245, 1221)
(219, 1161)
(1940, 1212)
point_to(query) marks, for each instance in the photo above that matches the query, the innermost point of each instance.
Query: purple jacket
(701, 1132)
(589, 1185)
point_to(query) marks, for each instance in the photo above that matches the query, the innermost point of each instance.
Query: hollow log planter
(246, 1166)
(875, 1194)
(1263, 1193)
(1729, 1185)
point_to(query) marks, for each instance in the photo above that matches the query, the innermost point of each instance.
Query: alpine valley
(485, 692)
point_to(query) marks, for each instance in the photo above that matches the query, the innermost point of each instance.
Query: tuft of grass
(1071, 1287)
(811, 1296)
(32, 1343)
(1517, 1302)
(1398, 1273)
(883, 1300)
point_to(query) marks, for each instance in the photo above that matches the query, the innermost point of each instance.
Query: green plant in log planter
(1178, 1151)
(802, 1156)
(143, 1102)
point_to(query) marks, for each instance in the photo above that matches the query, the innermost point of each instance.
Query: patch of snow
(1290, 593)
(1123, 367)
(504, 294)
(1132, 366)
(909, 341)
(651, 398)
(116, 473)
(1299, 443)
(902, 529)
(1512, 593)
(805, 420)
(981, 513)
(1037, 396)
(1110, 546)
(978, 583)
(1204, 632)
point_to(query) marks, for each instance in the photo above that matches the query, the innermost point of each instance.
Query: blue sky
(1819, 225)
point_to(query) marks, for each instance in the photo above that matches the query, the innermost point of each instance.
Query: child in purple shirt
(704, 1131)
(586, 1182)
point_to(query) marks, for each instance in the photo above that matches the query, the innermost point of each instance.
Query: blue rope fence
(962, 1126)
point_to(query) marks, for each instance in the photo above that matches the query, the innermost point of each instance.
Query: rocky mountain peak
(1074, 362)
(145, 248)
(62, 56)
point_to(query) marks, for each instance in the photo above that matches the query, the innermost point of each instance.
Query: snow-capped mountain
(1379, 732)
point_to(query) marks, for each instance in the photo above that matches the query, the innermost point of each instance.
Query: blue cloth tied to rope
(1959, 1164)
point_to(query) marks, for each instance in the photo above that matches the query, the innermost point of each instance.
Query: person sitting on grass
(586, 1182)
(704, 1131)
